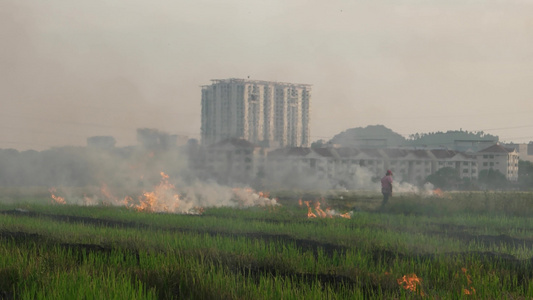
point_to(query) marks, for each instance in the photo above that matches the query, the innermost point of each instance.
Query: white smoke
(334, 213)
(287, 177)
(408, 188)
(247, 197)
(171, 198)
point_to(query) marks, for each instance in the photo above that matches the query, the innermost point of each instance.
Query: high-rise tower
(262, 112)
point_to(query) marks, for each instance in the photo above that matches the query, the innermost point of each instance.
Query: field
(450, 246)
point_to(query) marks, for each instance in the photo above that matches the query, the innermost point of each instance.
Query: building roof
(326, 152)
(357, 153)
(298, 151)
(292, 151)
(372, 152)
(496, 148)
(345, 152)
(443, 153)
(239, 80)
(394, 153)
(302, 151)
(420, 153)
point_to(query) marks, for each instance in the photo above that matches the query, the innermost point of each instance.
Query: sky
(74, 69)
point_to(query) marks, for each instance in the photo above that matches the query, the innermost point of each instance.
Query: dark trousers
(385, 198)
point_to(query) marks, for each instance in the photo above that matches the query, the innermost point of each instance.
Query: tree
(318, 144)
(525, 175)
(449, 137)
(493, 179)
(445, 178)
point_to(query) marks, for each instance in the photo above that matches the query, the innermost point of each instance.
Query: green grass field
(458, 246)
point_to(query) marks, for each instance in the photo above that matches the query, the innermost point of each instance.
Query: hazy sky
(74, 69)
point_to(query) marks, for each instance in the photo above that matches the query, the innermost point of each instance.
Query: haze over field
(74, 69)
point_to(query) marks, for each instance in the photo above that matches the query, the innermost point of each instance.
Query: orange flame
(57, 199)
(310, 213)
(263, 194)
(346, 215)
(155, 201)
(128, 202)
(438, 193)
(319, 212)
(410, 282)
(470, 290)
(164, 198)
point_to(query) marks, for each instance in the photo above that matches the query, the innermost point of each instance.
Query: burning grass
(264, 252)
(165, 197)
(411, 283)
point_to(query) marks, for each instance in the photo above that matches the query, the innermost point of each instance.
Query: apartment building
(269, 114)
(409, 165)
(464, 163)
(499, 158)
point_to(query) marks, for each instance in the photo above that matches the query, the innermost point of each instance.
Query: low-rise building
(239, 161)
(409, 165)
(320, 162)
(464, 163)
(233, 161)
(499, 158)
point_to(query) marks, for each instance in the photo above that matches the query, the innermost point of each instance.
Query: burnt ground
(256, 270)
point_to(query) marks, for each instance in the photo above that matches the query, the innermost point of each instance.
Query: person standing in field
(386, 187)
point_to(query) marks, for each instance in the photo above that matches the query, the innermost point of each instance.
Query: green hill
(371, 136)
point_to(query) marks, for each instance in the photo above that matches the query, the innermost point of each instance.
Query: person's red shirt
(386, 184)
